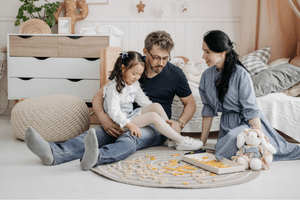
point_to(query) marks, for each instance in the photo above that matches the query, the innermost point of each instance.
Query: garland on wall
(141, 6)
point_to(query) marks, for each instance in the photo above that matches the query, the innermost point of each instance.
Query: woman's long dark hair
(129, 61)
(218, 41)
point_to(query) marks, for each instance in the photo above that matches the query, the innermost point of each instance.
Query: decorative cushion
(279, 61)
(296, 61)
(56, 117)
(276, 79)
(256, 61)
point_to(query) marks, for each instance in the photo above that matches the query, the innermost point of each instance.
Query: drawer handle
(92, 59)
(41, 58)
(25, 79)
(25, 36)
(74, 37)
(74, 80)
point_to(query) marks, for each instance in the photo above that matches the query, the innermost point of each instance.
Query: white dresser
(41, 64)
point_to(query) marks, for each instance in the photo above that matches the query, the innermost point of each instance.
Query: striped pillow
(256, 61)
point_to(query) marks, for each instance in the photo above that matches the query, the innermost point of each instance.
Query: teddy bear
(255, 152)
(191, 70)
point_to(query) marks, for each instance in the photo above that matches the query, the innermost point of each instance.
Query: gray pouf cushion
(55, 117)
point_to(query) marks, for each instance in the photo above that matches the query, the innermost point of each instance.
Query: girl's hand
(134, 129)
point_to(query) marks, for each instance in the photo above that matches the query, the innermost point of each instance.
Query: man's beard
(156, 70)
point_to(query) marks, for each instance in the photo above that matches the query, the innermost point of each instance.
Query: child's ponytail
(128, 59)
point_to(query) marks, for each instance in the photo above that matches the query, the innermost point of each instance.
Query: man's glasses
(158, 59)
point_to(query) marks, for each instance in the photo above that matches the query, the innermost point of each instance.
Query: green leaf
(53, 9)
(25, 18)
(17, 22)
(28, 7)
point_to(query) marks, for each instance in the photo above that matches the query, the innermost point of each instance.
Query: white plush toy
(178, 61)
(255, 152)
(192, 71)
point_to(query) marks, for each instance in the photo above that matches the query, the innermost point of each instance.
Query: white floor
(22, 176)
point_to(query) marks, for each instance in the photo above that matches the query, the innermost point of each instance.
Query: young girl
(120, 94)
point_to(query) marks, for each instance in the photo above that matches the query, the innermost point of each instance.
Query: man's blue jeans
(111, 149)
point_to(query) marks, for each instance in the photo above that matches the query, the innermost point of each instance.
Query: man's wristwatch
(181, 124)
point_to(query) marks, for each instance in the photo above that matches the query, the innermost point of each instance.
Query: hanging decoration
(161, 10)
(140, 7)
(185, 6)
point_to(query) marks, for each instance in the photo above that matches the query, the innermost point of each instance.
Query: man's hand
(110, 127)
(174, 125)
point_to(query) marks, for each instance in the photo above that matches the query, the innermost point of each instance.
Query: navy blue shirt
(164, 86)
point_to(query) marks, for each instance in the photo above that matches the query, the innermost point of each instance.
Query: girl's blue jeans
(111, 149)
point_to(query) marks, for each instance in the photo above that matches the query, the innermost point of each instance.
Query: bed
(277, 89)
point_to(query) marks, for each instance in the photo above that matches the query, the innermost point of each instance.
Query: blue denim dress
(238, 108)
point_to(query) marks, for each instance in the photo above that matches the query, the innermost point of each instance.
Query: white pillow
(279, 61)
(256, 61)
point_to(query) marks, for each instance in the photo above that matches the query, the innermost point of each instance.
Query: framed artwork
(97, 1)
(64, 25)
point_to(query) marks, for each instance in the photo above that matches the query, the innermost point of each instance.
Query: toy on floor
(255, 152)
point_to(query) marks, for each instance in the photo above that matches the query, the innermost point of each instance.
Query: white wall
(186, 28)
(198, 10)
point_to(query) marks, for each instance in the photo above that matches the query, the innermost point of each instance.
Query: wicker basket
(56, 117)
(35, 26)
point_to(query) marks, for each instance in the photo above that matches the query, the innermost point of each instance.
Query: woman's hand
(111, 128)
(134, 129)
(260, 129)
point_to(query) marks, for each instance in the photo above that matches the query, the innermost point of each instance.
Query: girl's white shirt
(114, 100)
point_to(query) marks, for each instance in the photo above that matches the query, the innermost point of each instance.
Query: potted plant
(45, 12)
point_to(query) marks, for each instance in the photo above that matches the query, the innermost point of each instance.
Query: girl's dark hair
(129, 61)
(218, 41)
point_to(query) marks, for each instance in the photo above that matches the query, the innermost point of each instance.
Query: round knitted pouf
(56, 117)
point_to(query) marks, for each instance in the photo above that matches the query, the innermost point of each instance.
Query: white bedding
(282, 111)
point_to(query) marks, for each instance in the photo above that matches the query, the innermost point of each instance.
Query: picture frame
(64, 25)
(97, 1)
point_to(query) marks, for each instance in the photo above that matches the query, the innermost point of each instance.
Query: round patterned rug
(163, 167)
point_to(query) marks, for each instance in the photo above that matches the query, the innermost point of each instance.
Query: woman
(226, 87)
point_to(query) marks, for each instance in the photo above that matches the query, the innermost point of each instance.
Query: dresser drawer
(85, 89)
(79, 68)
(82, 47)
(33, 46)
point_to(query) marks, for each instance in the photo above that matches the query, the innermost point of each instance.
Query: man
(111, 143)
